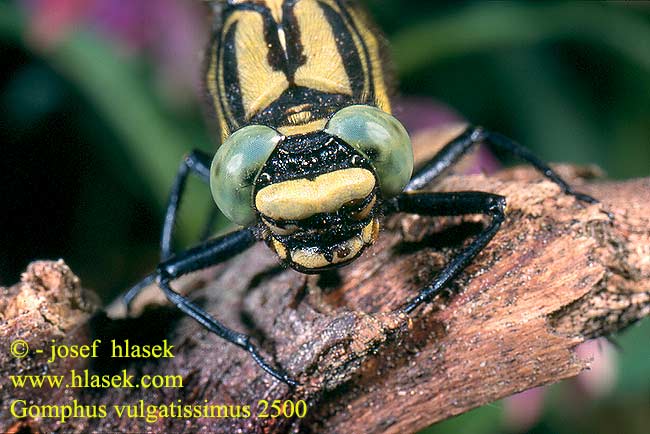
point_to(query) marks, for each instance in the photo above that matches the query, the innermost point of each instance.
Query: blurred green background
(100, 99)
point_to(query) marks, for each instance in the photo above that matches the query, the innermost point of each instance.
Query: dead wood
(558, 273)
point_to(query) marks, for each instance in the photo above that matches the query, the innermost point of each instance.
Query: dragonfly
(311, 159)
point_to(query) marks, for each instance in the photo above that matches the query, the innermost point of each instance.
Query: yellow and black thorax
(291, 64)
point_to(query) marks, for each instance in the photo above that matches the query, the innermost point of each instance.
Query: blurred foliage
(92, 134)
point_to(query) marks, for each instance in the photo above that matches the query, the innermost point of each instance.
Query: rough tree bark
(558, 273)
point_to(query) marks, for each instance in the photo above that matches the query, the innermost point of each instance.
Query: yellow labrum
(312, 259)
(300, 198)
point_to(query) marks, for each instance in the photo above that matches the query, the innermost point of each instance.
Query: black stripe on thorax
(231, 79)
(371, 84)
(275, 54)
(295, 52)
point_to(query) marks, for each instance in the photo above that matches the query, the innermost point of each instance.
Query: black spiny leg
(204, 255)
(196, 162)
(453, 204)
(458, 147)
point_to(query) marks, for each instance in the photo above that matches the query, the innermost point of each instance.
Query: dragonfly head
(316, 196)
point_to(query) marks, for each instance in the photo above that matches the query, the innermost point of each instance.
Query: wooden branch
(557, 274)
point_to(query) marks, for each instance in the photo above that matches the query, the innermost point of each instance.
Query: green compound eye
(379, 137)
(235, 167)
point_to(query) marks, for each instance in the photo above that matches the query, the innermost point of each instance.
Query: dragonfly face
(315, 195)
(317, 198)
(309, 147)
